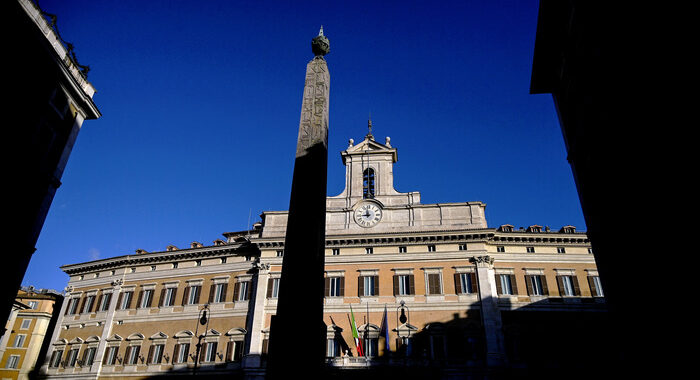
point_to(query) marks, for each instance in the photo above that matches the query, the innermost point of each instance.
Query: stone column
(57, 329)
(490, 313)
(305, 239)
(107, 328)
(252, 362)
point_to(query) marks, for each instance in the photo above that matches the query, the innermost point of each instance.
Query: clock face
(368, 215)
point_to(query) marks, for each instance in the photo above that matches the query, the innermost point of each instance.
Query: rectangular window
(335, 286)
(174, 265)
(273, 288)
(33, 304)
(505, 284)
(88, 304)
(132, 354)
(181, 353)
(332, 348)
(72, 357)
(198, 263)
(234, 351)
(191, 296)
(218, 293)
(89, 356)
(111, 355)
(369, 250)
(561, 250)
(223, 260)
(242, 291)
(209, 353)
(280, 253)
(536, 285)
(12, 361)
(125, 302)
(168, 296)
(56, 358)
(72, 306)
(596, 286)
(25, 324)
(146, 298)
(19, 340)
(155, 354)
(371, 346)
(530, 249)
(403, 285)
(431, 248)
(462, 247)
(104, 302)
(402, 249)
(568, 286)
(336, 251)
(434, 283)
(500, 248)
(368, 286)
(465, 283)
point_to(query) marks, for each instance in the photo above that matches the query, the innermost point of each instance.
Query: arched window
(368, 183)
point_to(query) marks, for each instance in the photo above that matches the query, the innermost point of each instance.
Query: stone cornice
(156, 257)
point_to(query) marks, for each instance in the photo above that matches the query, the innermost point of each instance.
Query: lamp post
(201, 320)
(403, 315)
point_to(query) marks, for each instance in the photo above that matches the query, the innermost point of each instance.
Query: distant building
(48, 99)
(23, 342)
(473, 297)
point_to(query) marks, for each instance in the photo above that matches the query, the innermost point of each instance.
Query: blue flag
(384, 331)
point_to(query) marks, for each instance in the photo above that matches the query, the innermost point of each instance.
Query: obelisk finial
(320, 44)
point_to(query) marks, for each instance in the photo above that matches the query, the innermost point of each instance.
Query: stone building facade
(428, 286)
(24, 341)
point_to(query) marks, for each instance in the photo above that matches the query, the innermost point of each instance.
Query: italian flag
(355, 335)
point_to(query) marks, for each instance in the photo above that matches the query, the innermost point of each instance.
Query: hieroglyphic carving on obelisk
(313, 123)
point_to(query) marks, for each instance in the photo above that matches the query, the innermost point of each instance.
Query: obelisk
(297, 333)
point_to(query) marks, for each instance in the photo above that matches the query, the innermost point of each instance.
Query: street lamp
(403, 315)
(202, 320)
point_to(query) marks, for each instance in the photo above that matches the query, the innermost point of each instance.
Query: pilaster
(490, 314)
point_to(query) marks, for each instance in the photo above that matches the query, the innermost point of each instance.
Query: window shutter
(82, 305)
(591, 285)
(150, 355)
(328, 286)
(104, 359)
(138, 301)
(375, 291)
(545, 290)
(97, 304)
(213, 349)
(342, 286)
(224, 288)
(411, 284)
(396, 285)
(127, 355)
(361, 286)
(528, 283)
(173, 296)
(475, 284)
(270, 282)
(513, 285)
(187, 351)
(229, 351)
(185, 295)
(458, 283)
(176, 352)
(577, 288)
(202, 353)
(499, 287)
(150, 300)
(162, 297)
(560, 285)
(249, 291)
(236, 291)
(119, 300)
(212, 289)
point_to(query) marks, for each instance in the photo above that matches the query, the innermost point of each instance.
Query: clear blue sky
(201, 103)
